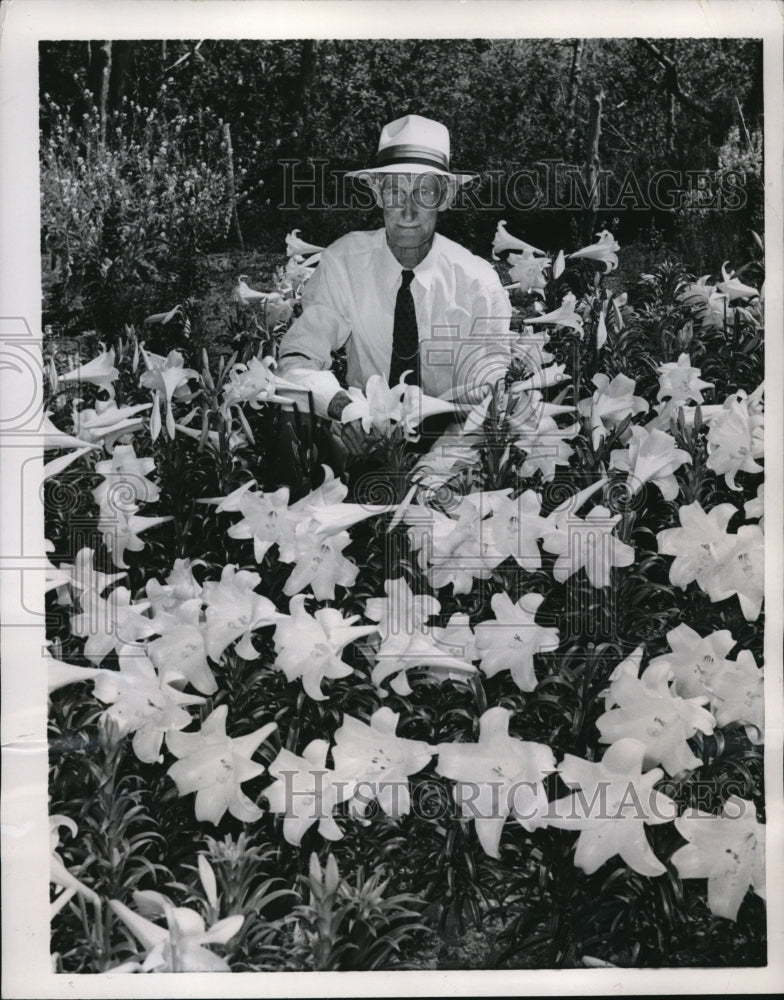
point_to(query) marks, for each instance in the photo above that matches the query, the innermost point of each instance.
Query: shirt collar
(424, 271)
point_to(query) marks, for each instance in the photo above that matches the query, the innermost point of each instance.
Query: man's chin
(408, 239)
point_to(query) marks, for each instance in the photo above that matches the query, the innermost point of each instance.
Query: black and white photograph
(391, 525)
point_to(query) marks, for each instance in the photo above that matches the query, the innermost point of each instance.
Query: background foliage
(150, 117)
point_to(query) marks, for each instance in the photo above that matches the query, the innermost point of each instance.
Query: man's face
(411, 204)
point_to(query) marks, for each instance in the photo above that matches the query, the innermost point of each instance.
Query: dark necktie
(405, 336)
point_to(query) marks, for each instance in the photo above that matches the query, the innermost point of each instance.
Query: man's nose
(409, 206)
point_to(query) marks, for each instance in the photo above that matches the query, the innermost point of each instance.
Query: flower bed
(523, 691)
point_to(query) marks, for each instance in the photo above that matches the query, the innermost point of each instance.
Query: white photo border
(25, 830)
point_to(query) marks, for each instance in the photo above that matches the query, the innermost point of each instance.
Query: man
(404, 300)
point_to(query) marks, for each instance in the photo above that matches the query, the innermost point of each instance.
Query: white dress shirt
(462, 313)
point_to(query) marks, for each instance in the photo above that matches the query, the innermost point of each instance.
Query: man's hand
(358, 441)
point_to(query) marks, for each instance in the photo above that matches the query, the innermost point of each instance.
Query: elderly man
(406, 301)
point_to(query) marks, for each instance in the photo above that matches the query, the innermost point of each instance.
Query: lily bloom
(651, 457)
(457, 638)
(527, 271)
(100, 371)
(407, 640)
(125, 474)
(529, 348)
(610, 805)
(455, 549)
(378, 761)
(516, 525)
(504, 241)
(180, 946)
(60, 674)
(681, 382)
(181, 586)
(297, 247)
(59, 874)
(309, 647)
(84, 577)
(512, 639)
(612, 402)
(53, 437)
(709, 305)
(234, 611)
(121, 532)
(383, 407)
(320, 564)
(736, 439)
(534, 431)
(564, 315)
(265, 518)
(141, 703)
(739, 569)
(728, 850)
(602, 251)
(733, 288)
(331, 518)
(542, 379)
(669, 410)
(215, 765)
(180, 652)
(255, 383)
(56, 576)
(164, 380)
(650, 712)
(397, 655)
(694, 542)
(306, 792)
(110, 623)
(497, 777)
(587, 542)
(244, 295)
(738, 695)
(756, 506)
(401, 612)
(231, 502)
(695, 661)
(105, 422)
(58, 465)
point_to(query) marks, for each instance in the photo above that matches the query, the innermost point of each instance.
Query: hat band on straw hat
(424, 155)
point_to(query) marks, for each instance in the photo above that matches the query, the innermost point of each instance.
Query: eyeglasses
(426, 192)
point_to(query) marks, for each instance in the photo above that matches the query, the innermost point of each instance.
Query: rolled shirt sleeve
(324, 325)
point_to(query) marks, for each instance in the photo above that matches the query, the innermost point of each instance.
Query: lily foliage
(524, 688)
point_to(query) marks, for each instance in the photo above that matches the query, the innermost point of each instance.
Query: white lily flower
(297, 247)
(504, 241)
(603, 251)
(100, 371)
(564, 315)
(733, 288)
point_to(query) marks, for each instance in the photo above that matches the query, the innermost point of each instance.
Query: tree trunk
(99, 75)
(235, 219)
(122, 53)
(669, 98)
(592, 167)
(307, 69)
(575, 77)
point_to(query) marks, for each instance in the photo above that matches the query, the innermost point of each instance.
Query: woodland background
(157, 154)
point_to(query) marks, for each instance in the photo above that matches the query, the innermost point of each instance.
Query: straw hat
(413, 145)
